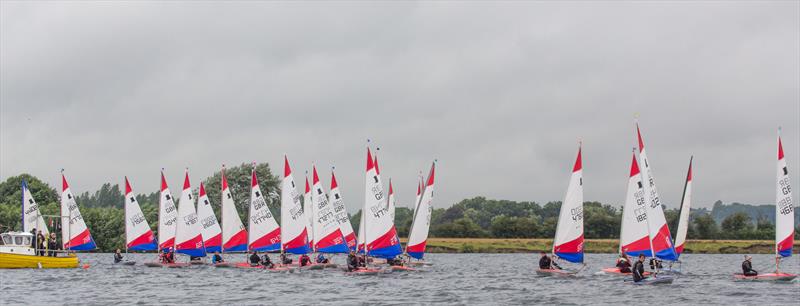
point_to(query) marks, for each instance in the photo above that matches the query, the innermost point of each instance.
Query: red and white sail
(167, 217)
(308, 209)
(568, 243)
(72, 225)
(31, 217)
(660, 237)
(634, 238)
(686, 206)
(341, 213)
(294, 235)
(328, 234)
(392, 202)
(784, 207)
(265, 234)
(210, 229)
(188, 239)
(380, 234)
(420, 225)
(138, 235)
(234, 235)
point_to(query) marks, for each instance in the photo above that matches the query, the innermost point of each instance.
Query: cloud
(499, 93)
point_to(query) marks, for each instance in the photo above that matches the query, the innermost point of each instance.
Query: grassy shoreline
(512, 245)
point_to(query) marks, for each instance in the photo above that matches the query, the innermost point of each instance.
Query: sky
(500, 93)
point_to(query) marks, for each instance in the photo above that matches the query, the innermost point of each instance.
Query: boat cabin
(17, 243)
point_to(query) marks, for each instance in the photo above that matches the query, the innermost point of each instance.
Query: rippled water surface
(453, 279)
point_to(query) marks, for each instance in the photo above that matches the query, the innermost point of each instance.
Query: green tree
(737, 225)
(239, 179)
(706, 227)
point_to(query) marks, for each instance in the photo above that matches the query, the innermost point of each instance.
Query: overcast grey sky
(498, 92)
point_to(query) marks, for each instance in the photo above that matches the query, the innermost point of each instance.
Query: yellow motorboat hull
(18, 261)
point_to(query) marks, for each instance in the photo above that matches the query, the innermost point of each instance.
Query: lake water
(472, 279)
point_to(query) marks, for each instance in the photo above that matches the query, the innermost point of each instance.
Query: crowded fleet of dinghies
(210, 229)
(188, 237)
(234, 235)
(341, 212)
(79, 237)
(568, 242)
(294, 232)
(138, 235)
(32, 219)
(784, 223)
(421, 220)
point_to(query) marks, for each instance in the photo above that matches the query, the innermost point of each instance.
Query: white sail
(328, 233)
(341, 213)
(568, 243)
(660, 237)
(380, 234)
(167, 217)
(294, 236)
(634, 238)
(72, 224)
(391, 202)
(420, 225)
(308, 209)
(31, 217)
(188, 239)
(138, 235)
(234, 236)
(265, 234)
(686, 206)
(209, 226)
(784, 207)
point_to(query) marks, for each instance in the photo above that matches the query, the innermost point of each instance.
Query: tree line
(476, 217)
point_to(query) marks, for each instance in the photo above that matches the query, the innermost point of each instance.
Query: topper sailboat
(188, 237)
(341, 213)
(264, 232)
(31, 217)
(327, 231)
(308, 210)
(209, 226)
(138, 235)
(784, 223)
(79, 238)
(234, 235)
(568, 242)
(167, 223)
(421, 220)
(294, 238)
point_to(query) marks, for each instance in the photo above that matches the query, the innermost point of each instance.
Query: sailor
(254, 259)
(545, 263)
(747, 266)
(321, 259)
(117, 256)
(655, 263)
(624, 264)
(267, 262)
(217, 258)
(638, 269)
(169, 257)
(305, 260)
(285, 259)
(352, 261)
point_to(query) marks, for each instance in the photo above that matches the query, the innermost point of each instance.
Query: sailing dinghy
(683, 219)
(31, 217)
(294, 235)
(341, 213)
(210, 229)
(264, 232)
(784, 223)
(327, 231)
(421, 221)
(568, 242)
(79, 238)
(167, 223)
(138, 235)
(308, 210)
(234, 236)
(633, 237)
(188, 237)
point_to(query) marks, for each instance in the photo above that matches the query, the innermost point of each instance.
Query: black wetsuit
(352, 262)
(217, 259)
(624, 266)
(267, 262)
(545, 263)
(655, 263)
(255, 260)
(117, 257)
(305, 260)
(638, 271)
(747, 269)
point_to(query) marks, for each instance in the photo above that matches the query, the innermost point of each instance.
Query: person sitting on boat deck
(266, 261)
(321, 259)
(217, 258)
(304, 260)
(545, 263)
(117, 256)
(655, 263)
(624, 264)
(352, 261)
(285, 259)
(169, 256)
(53, 244)
(394, 261)
(638, 269)
(747, 266)
(255, 260)
(40, 243)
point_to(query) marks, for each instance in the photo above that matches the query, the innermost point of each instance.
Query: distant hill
(720, 211)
